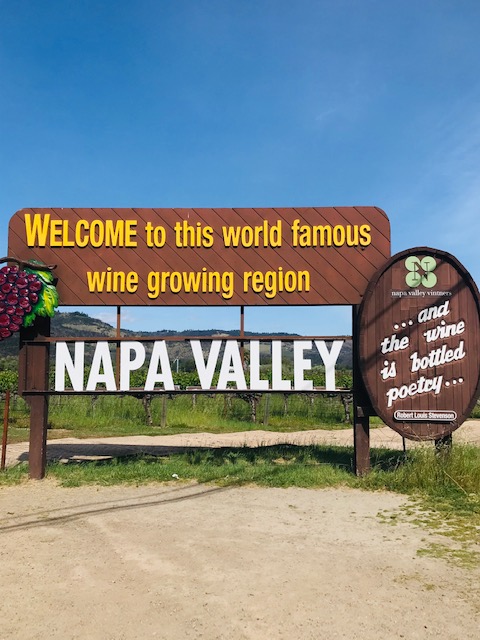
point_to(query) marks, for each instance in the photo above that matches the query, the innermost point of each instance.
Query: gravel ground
(190, 561)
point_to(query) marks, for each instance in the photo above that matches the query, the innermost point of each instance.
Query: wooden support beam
(34, 361)
(361, 408)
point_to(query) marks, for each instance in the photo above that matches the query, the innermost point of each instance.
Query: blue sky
(237, 103)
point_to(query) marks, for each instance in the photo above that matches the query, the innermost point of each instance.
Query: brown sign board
(419, 343)
(157, 257)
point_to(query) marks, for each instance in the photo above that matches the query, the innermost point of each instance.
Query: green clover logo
(420, 271)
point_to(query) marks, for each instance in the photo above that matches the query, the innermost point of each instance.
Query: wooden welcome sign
(208, 257)
(178, 257)
(419, 343)
(416, 335)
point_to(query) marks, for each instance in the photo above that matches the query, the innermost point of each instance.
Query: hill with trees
(78, 324)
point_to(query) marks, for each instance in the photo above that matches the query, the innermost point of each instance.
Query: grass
(449, 483)
(445, 491)
(83, 417)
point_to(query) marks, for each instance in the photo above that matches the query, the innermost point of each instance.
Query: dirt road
(196, 561)
(190, 561)
(98, 448)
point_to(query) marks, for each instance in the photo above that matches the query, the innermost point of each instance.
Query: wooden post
(361, 408)
(444, 444)
(242, 335)
(33, 370)
(117, 348)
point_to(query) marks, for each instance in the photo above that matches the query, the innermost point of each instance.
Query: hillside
(72, 324)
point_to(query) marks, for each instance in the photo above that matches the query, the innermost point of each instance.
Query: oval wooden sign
(419, 343)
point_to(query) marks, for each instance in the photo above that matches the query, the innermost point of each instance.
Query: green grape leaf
(47, 301)
(28, 319)
(45, 276)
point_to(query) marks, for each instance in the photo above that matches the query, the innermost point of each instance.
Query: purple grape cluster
(18, 294)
